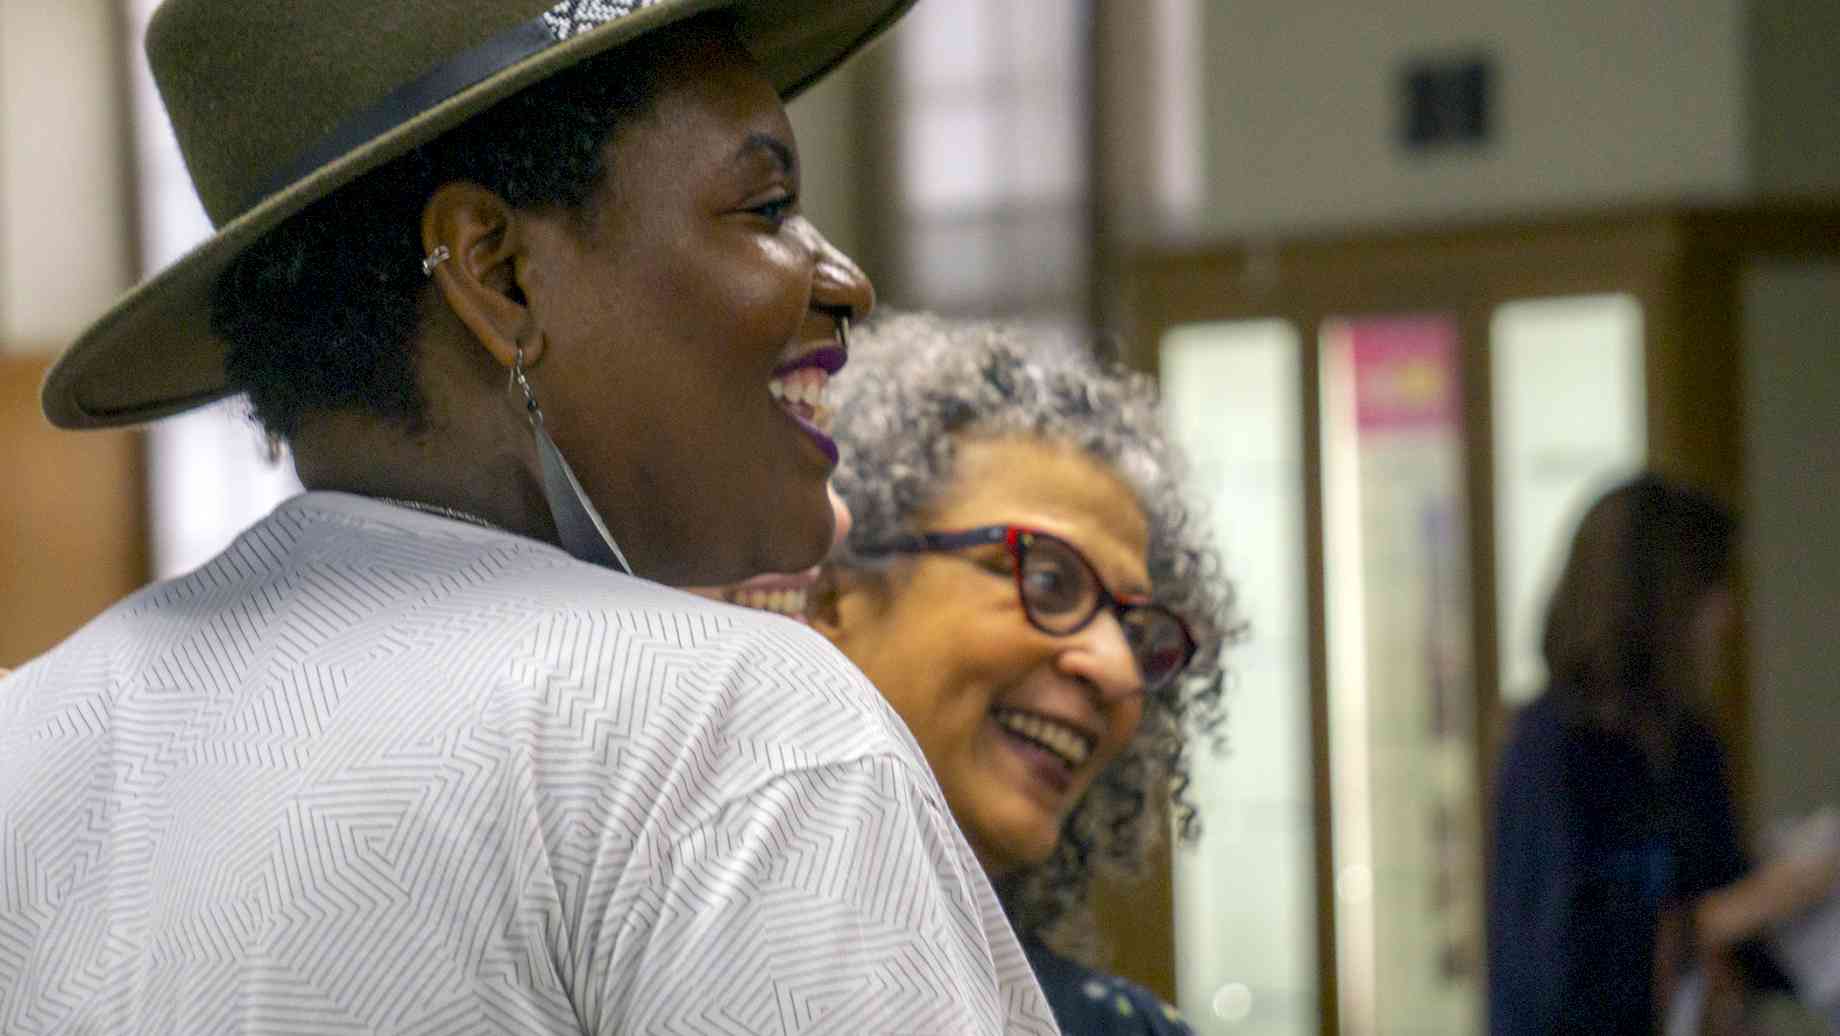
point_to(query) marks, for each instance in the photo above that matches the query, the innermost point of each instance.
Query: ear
(482, 280)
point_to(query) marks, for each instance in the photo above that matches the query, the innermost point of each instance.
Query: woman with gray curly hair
(1024, 583)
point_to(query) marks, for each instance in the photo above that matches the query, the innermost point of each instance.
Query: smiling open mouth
(799, 387)
(1070, 745)
(782, 600)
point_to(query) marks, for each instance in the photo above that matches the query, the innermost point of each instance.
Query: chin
(1019, 852)
(795, 549)
(759, 549)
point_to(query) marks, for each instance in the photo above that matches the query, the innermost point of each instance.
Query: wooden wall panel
(73, 518)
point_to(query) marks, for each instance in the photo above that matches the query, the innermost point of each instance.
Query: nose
(1100, 657)
(839, 286)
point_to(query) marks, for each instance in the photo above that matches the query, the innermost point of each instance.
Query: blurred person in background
(1022, 580)
(1618, 859)
(431, 748)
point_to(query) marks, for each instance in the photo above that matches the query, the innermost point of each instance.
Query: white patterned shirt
(375, 771)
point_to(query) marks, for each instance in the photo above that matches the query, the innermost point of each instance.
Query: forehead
(710, 107)
(1052, 486)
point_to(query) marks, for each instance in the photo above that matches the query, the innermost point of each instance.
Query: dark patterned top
(1093, 1003)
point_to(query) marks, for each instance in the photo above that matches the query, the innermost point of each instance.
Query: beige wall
(1599, 101)
(1792, 516)
(825, 120)
(64, 224)
(1794, 99)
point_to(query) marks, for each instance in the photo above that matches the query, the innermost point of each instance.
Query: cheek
(942, 699)
(763, 293)
(693, 307)
(939, 684)
(950, 644)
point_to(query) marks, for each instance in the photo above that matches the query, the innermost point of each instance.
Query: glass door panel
(1570, 418)
(1244, 912)
(1404, 819)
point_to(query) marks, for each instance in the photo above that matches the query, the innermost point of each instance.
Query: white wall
(1598, 102)
(64, 224)
(1792, 525)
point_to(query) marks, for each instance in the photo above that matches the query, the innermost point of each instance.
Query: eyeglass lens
(1061, 592)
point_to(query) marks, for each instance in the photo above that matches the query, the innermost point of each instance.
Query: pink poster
(1405, 372)
(1393, 416)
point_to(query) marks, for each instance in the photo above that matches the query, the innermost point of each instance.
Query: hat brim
(153, 353)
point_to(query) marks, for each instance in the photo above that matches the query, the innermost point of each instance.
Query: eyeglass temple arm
(938, 541)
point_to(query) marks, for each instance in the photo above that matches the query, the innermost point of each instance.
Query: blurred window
(210, 473)
(1569, 420)
(1247, 963)
(990, 210)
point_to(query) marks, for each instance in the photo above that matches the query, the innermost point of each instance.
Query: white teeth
(1070, 744)
(784, 602)
(806, 385)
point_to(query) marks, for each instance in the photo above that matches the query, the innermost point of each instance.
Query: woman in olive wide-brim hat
(417, 753)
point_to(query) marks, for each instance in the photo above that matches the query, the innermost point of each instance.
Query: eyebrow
(773, 146)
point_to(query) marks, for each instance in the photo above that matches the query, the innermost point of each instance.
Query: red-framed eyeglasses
(1062, 593)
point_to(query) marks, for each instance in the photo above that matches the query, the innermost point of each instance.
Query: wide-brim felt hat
(278, 103)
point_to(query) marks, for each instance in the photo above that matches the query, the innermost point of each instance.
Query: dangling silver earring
(584, 535)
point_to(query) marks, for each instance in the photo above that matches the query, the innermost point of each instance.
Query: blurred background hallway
(1419, 281)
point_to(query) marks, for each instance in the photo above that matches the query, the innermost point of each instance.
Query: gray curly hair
(917, 386)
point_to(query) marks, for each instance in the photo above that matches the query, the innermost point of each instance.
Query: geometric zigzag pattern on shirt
(375, 771)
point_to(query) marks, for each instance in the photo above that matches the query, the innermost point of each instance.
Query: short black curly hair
(320, 314)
